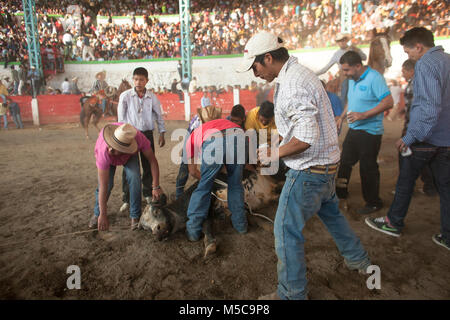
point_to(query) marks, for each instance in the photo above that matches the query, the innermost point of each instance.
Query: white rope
(224, 184)
(258, 214)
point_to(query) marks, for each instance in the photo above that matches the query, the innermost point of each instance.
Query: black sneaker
(368, 209)
(382, 224)
(437, 238)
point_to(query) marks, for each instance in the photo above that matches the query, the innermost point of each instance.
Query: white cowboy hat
(121, 138)
(260, 43)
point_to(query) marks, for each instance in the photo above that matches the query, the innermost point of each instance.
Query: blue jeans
(133, 176)
(438, 158)
(5, 122)
(104, 105)
(183, 172)
(17, 120)
(16, 87)
(201, 197)
(303, 195)
(182, 178)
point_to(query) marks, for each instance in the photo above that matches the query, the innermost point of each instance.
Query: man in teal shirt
(368, 98)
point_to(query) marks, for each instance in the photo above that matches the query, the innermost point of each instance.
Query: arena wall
(66, 108)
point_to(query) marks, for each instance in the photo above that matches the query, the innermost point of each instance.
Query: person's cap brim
(108, 133)
(245, 65)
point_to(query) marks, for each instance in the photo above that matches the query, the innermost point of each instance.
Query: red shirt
(202, 133)
(104, 160)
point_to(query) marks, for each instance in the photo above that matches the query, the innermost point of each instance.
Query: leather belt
(326, 169)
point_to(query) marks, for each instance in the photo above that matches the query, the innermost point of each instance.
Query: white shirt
(395, 93)
(140, 112)
(67, 38)
(303, 110)
(65, 87)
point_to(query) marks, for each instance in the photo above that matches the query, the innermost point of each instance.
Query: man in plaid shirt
(305, 121)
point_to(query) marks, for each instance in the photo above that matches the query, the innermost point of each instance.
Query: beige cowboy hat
(341, 36)
(209, 113)
(74, 78)
(101, 73)
(121, 138)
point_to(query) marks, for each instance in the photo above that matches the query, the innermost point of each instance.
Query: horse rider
(100, 84)
(342, 40)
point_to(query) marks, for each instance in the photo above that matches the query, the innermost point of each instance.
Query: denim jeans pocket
(312, 194)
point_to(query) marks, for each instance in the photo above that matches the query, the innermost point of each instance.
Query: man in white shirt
(309, 147)
(65, 86)
(141, 108)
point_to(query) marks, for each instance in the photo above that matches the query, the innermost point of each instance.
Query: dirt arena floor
(47, 197)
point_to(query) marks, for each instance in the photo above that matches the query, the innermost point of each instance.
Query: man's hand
(265, 156)
(103, 223)
(355, 116)
(162, 141)
(338, 123)
(156, 194)
(400, 145)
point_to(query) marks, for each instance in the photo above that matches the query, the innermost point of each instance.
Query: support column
(35, 111)
(346, 16)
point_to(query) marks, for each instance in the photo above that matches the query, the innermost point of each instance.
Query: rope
(59, 236)
(248, 205)
(258, 214)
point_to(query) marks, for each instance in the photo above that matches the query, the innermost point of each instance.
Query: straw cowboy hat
(121, 138)
(74, 78)
(342, 36)
(209, 113)
(101, 73)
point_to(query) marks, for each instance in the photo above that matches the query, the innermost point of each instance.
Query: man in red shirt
(216, 143)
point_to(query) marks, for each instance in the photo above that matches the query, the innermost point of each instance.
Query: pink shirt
(104, 160)
(202, 133)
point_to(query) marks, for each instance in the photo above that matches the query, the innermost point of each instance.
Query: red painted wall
(66, 108)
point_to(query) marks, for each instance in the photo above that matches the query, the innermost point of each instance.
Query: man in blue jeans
(310, 149)
(217, 144)
(119, 144)
(427, 135)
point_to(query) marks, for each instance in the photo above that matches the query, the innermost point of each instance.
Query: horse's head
(124, 85)
(385, 43)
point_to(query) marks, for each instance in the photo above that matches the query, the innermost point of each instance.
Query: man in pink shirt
(119, 144)
(216, 143)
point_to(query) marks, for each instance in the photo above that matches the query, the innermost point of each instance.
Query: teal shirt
(365, 94)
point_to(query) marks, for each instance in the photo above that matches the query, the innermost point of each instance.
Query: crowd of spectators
(222, 27)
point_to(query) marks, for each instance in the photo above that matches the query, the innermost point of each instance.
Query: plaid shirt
(303, 111)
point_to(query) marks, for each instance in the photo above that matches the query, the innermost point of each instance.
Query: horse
(113, 96)
(90, 108)
(380, 52)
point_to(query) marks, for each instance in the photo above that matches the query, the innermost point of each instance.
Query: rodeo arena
(204, 150)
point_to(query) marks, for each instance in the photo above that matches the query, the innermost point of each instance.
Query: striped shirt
(140, 112)
(409, 94)
(303, 110)
(430, 109)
